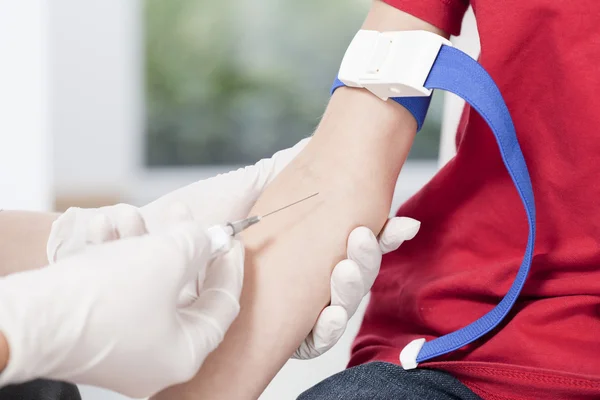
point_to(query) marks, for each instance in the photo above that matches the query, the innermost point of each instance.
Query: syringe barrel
(241, 225)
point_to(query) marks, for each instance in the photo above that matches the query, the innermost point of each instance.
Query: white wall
(96, 94)
(25, 162)
(468, 41)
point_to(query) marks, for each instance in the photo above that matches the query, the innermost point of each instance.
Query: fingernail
(410, 227)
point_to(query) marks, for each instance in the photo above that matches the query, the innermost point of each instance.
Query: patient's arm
(23, 237)
(353, 162)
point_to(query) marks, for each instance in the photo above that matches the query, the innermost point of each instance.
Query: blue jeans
(384, 381)
(40, 390)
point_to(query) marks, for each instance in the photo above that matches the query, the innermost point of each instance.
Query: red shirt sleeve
(444, 14)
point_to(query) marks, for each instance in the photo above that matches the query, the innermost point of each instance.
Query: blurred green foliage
(233, 81)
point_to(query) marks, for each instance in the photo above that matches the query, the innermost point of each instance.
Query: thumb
(211, 315)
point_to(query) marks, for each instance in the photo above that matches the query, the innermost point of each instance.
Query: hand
(109, 317)
(230, 197)
(226, 197)
(352, 279)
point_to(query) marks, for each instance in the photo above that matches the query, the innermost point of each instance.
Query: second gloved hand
(110, 316)
(352, 279)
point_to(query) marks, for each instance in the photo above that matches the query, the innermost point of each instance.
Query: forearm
(3, 352)
(353, 162)
(23, 238)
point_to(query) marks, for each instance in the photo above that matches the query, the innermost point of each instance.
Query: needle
(236, 227)
(289, 205)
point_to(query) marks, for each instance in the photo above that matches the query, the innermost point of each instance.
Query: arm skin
(3, 352)
(23, 238)
(353, 161)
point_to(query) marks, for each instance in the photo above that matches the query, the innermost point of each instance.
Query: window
(229, 82)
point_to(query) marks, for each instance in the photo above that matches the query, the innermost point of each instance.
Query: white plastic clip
(391, 64)
(408, 355)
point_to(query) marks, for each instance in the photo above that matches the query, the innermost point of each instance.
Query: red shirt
(545, 56)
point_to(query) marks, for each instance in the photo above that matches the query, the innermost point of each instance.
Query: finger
(191, 245)
(306, 349)
(226, 273)
(100, 229)
(116, 222)
(128, 221)
(347, 286)
(189, 293)
(66, 236)
(218, 302)
(329, 328)
(364, 250)
(194, 284)
(396, 231)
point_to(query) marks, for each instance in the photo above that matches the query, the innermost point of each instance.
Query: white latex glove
(230, 197)
(108, 315)
(352, 279)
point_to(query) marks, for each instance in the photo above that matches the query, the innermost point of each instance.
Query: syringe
(221, 235)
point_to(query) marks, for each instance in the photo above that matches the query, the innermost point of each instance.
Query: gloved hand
(225, 197)
(352, 279)
(230, 197)
(107, 316)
